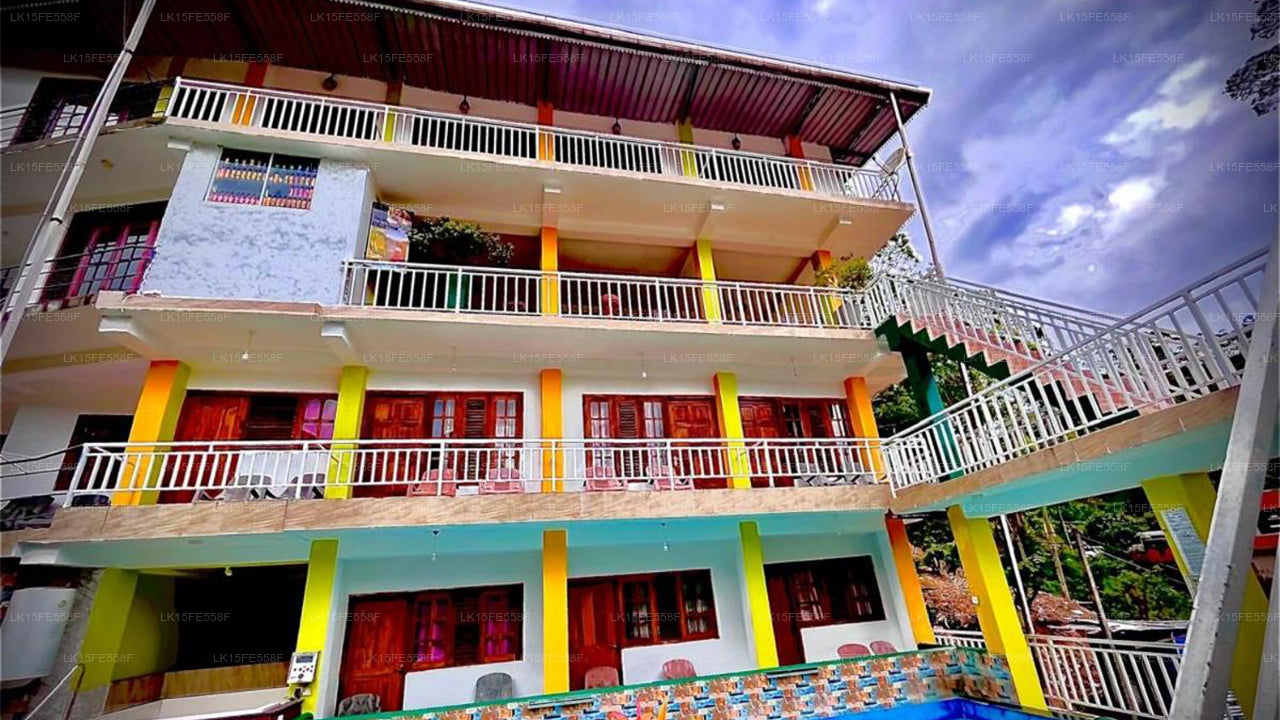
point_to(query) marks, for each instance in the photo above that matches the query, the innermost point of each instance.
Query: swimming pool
(950, 709)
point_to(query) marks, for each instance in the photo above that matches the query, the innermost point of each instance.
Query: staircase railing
(1181, 347)
(984, 317)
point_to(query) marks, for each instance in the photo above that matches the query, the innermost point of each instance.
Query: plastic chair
(610, 305)
(852, 650)
(601, 478)
(362, 704)
(664, 479)
(435, 482)
(501, 481)
(601, 677)
(677, 669)
(494, 686)
(882, 647)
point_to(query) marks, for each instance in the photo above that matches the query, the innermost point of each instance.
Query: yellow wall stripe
(1193, 494)
(555, 611)
(155, 419)
(346, 426)
(996, 613)
(905, 563)
(104, 633)
(707, 273)
(758, 596)
(318, 611)
(550, 266)
(862, 419)
(729, 417)
(688, 161)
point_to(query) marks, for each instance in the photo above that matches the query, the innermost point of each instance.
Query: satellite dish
(894, 162)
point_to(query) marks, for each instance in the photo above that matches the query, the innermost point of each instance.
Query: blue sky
(1082, 158)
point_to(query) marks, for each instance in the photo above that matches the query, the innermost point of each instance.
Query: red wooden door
(760, 419)
(374, 655)
(696, 418)
(205, 417)
(388, 472)
(786, 631)
(593, 630)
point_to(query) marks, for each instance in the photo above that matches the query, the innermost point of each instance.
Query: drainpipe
(915, 186)
(52, 227)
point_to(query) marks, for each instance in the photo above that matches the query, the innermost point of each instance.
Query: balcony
(505, 291)
(231, 105)
(75, 279)
(181, 472)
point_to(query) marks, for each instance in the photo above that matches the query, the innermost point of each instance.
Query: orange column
(551, 381)
(863, 421)
(794, 150)
(905, 563)
(546, 141)
(550, 270)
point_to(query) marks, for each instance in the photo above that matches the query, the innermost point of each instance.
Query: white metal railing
(11, 122)
(332, 117)
(624, 297)
(1133, 678)
(1184, 346)
(1005, 325)
(241, 470)
(960, 638)
(67, 279)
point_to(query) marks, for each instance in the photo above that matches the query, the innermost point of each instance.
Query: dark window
(463, 626)
(665, 607)
(829, 592)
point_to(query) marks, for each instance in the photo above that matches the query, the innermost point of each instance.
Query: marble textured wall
(246, 252)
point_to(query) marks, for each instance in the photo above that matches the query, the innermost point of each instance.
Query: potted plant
(444, 241)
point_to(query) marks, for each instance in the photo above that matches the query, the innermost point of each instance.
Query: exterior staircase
(1061, 371)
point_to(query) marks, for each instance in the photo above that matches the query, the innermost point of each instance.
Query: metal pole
(915, 186)
(1093, 586)
(1201, 692)
(1017, 573)
(52, 227)
(1266, 704)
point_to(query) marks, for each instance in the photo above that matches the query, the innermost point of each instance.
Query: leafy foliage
(1257, 82)
(453, 242)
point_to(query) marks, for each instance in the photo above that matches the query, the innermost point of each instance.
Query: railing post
(1225, 370)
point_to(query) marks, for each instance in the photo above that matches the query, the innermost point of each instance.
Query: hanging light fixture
(330, 83)
(737, 143)
(435, 541)
(617, 127)
(454, 368)
(644, 371)
(666, 546)
(247, 344)
(464, 107)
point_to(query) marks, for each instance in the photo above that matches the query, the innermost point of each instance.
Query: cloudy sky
(1083, 158)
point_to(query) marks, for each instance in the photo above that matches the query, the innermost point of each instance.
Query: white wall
(729, 652)
(821, 643)
(216, 250)
(448, 686)
(37, 429)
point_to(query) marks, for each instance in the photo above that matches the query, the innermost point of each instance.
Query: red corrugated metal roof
(502, 55)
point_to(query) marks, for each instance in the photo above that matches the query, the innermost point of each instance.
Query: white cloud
(1133, 194)
(1180, 105)
(822, 7)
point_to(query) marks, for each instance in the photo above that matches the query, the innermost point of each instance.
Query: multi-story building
(625, 437)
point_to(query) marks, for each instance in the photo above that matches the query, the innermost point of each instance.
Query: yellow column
(863, 422)
(551, 381)
(100, 648)
(905, 563)
(154, 421)
(346, 426)
(821, 260)
(318, 611)
(1181, 500)
(550, 270)
(996, 613)
(707, 272)
(395, 92)
(688, 160)
(555, 611)
(729, 418)
(757, 596)
(796, 150)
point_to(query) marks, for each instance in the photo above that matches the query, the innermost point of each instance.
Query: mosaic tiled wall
(812, 692)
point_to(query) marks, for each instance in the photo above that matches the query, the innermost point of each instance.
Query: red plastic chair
(602, 677)
(501, 481)
(677, 669)
(601, 478)
(882, 647)
(663, 479)
(610, 305)
(852, 650)
(438, 482)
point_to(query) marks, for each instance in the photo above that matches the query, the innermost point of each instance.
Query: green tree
(1257, 82)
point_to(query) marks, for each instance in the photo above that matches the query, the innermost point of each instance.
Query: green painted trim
(586, 694)
(900, 336)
